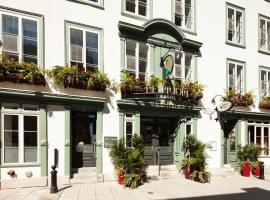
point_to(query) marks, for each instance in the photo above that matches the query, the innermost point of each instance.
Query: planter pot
(120, 180)
(187, 172)
(246, 169)
(256, 171)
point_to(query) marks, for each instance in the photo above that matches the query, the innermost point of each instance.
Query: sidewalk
(224, 188)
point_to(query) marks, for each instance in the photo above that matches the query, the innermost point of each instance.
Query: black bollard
(54, 188)
(261, 170)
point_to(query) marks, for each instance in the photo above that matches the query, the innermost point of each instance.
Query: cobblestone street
(224, 188)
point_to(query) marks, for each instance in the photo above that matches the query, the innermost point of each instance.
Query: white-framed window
(264, 35)
(236, 76)
(265, 82)
(183, 66)
(20, 37)
(235, 25)
(137, 59)
(94, 3)
(129, 128)
(19, 134)
(184, 13)
(258, 134)
(137, 7)
(84, 48)
(188, 127)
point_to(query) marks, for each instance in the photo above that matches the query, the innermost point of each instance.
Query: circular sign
(224, 106)
(168, 63)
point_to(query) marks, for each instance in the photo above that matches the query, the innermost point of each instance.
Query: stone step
(163, 167)
(85, 174)
(83, 180)
(84, 169)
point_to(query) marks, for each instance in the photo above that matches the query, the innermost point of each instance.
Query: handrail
(158, 157)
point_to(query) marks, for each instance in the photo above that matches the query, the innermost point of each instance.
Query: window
(20, 37)
(264, 35)
(138, 7)
(265, 82)
(258, 134)
(183, 66)
(189, 127)
(84, 48)
(19, 136)
(184, 14)
(235, 25)
(94, 3)
(129, 128)
(236, 76)
(137, 59)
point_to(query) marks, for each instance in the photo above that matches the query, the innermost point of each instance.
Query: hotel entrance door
(158, 134)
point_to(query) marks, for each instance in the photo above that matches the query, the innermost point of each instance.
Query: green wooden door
(232, 143)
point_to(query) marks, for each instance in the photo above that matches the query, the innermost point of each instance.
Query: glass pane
(29, 59)
(239, 27)
(11, 122)
(30, 146)
(266, 141)
(268, 35)
(143, 7)
(188, 14)
(30, 47)
(142, 66)
(11, 56)
(10, 24)
(131, 48)
(251, 134)
(130, 6)
(262, 34)
(92, 40)
(30, 123)
(231, 25)
(143, 51)
(76, 37)
(29, 28)
(91, 57)
(232, 141)
(11, 146)
(258, 136)
(129, 128)
(188, 129)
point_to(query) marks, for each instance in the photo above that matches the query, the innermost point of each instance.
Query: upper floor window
(184, 14)
(138, 7)
(265, 82)
(137, 59)
(84, 48)
(236, 76)
(264, 36)
(235, 25)
(20, 37)
(184, 65)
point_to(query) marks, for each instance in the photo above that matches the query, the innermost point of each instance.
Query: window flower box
(16, 72)
(72, 77)
(239, 99)
(265, 103)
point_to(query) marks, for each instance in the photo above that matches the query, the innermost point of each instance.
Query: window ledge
(189, 31)
(20, 165)
(96, 5)
(235, 44)
(264, 52)
(135, 16)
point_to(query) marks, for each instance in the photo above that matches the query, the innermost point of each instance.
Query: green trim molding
(43, 141)
(14, 95)
(99, 145)
(146, 33)
(67, 143)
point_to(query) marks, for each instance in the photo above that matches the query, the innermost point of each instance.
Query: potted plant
(248, 157)
(129, 163)
(194, 163)
(265, 103)
(239, 99)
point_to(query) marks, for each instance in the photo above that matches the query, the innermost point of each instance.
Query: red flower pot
(246, 169)
(257, 170)
(121, 180)
(187, 172)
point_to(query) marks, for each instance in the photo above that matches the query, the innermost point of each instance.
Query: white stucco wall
(211, 66)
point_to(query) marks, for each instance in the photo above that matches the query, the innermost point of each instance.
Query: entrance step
(85, 175)
(167, 171)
